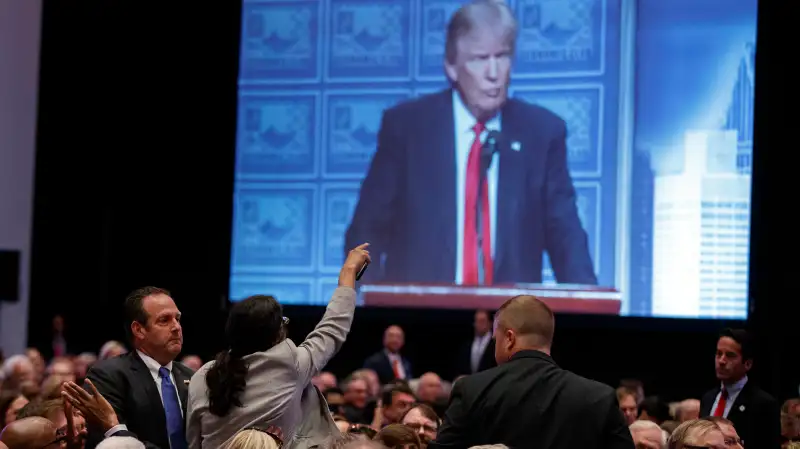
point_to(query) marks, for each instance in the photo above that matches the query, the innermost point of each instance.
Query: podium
(562, 298)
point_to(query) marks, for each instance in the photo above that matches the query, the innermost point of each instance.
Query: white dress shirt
(464, 134)
(153, 367)
(733, 392)
(401, 370)
(478, 347)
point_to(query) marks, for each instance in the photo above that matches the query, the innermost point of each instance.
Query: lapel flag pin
(516, 146)
(741, 408)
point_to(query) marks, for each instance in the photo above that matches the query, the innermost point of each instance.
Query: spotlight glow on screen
(625, 160)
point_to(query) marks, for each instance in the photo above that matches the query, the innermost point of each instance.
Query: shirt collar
(465, 120)
(151, 363)
(736, 386)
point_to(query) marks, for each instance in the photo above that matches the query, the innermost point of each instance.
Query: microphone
(490, 146)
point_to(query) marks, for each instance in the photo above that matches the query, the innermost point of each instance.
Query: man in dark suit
(389, 364)
(754, 413)
(423, 187)
(478, 354)
(146, 387)
(528, 401)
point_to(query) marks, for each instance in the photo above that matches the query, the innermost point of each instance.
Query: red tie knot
(478, 128)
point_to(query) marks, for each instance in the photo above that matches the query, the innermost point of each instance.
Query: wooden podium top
(561, 298)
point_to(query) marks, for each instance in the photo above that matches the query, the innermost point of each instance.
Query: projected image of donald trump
(428, 192)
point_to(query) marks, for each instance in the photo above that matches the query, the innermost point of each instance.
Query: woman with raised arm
(264, 379)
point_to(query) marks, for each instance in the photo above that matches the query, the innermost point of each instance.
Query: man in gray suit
(264, 379)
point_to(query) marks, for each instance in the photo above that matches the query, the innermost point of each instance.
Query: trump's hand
(356, 258)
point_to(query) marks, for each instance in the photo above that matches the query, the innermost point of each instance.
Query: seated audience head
(732, 440)
(734, 356)
(523, 323)
(394, 338)
(193, 362)
(51, 388)
(363, 444)
(11, 401)
(154, 324)
(397, 400)
(654, 409)
(688, 410)
(54, 411)
(324, 380)
(31, 433)
(626, 400)
(647, 434)
(335, 399)
(340, 441)
(423, 420)
(398, 436)
(697, 433)
(120, 443)
(255, 324)
(62, 368)
(18, 373)
(356, 392)
(373, 382)
(254, 439)
(82, 364)
(38, 362)
(111, 349)
(430, 388)
(636, 386)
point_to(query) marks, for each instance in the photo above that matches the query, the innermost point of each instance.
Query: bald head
(29, 433)
(523, 322)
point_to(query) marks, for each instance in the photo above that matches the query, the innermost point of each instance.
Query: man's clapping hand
(93, 406)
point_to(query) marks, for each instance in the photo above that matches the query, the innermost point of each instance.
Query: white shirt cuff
(115, 429)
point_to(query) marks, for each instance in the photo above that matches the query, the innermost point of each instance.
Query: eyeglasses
(362, 430)
(55, 443)
(423, 427)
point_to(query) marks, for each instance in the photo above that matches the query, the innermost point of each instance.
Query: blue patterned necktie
(172, 409)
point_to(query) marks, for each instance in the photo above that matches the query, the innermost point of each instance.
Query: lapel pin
(516, 146)
(741, 408)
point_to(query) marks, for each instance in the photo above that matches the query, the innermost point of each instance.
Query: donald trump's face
(481, 70)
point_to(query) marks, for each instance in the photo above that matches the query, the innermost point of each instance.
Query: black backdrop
(134, 183)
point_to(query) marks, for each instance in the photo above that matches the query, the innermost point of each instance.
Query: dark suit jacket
(379, 362)
(129, 387)
(531, 402)
(464, 362)
(407, 204)
(755, 414)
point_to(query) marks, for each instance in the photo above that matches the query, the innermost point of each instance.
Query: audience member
(697, 433)
(654, 409)
(254, 438)
(626, 401)
(754, 413)
(121, 443)
(398, 436)
(263, 377)
(111, 349)
(59, 341)
(647, 435)
(688, 410)
(56, 410)
(335, 399)
(324, 380)
(39, 366)
(396, 401)
(529, 401)
(192, 362)
(478, 354)
(33, 433)
(83, 362)
(146, 387)
(388, 363)
(374, 385)
(423, 420)
(19, 374)
(356, 397)
(430, 388)
(11, 401)
(636, 386)
(62, 368)
(732, 440)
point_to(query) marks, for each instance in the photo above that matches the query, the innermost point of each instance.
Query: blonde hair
(494, 13)
(688, 432)
(252, 439)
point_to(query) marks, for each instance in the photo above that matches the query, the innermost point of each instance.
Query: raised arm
(329, 335)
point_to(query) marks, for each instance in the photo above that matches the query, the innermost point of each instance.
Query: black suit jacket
(407, 203)
(464, 362)
(379, 362)
(129, 387)
(755, 414)
(531, 402)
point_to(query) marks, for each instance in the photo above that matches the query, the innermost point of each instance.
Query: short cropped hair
(474, 14)
(134, 307)
(684, 435)
(744, 339)
(41, 408)
(528, 316)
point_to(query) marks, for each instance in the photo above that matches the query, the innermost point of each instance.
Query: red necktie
(396, 369)
(723, 401)
(470, 274)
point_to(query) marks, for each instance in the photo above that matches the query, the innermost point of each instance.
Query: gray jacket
(279, 390)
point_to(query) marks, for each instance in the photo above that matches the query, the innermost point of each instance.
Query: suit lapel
(180, 385)
(438, 176)
(146, 381)
(509, 186)
(739, 406)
